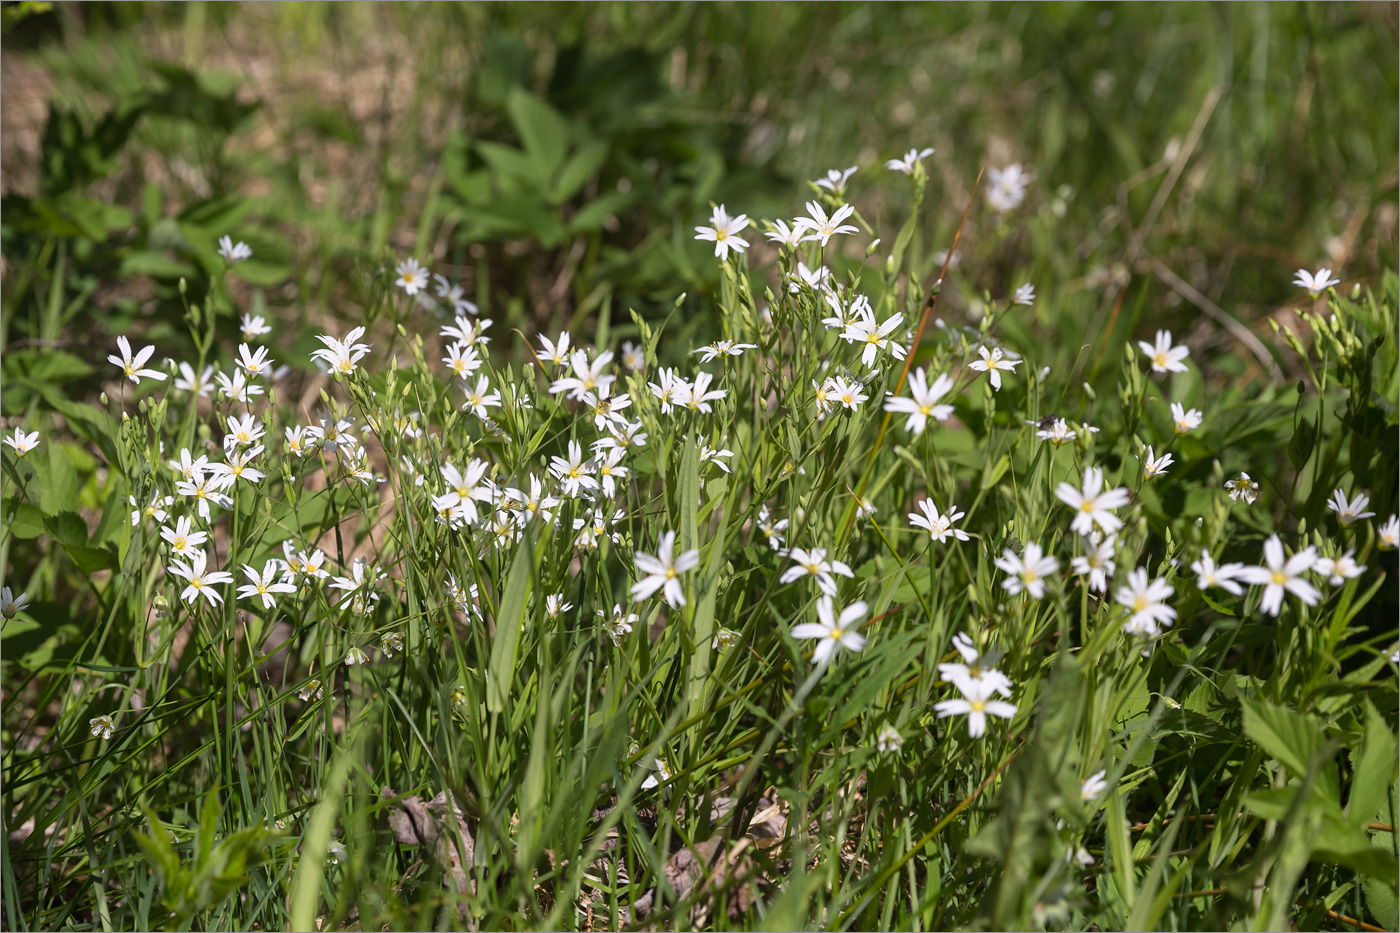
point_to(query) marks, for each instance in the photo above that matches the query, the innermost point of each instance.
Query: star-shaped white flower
(1315, 284)
(723, 232)
(662, 572)
(994, 363)
(1093, 504)
(1280, 575)
(833, 632)
(1165, 357)
(131, 366)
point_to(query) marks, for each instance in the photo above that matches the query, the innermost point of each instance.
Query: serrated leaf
(1292, 738)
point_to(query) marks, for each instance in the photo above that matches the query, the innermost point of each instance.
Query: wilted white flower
(1243, 488)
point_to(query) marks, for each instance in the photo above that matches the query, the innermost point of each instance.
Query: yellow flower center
(670, 573)
(1279, 577)
(1140, 603)
(978, 705)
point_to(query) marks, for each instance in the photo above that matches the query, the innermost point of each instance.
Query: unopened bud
(183, 286)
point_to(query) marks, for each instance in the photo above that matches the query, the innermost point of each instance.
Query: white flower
(976, 703)
(1059, 433)
(23, 443)
(1025, 295)
(1225, 576)
(924, 402)
(302, 564)
(156, 509)
(823, 227)
(262, 586)
(939, 527)
(663, 773)
(183, 539)
(994, 363)
(237, 388)
(723, 348)
(342, 355)
(201, 581)
(974, 667)
(1006, 188)
(1165, 357)
(700, 394)
(1281, 575)
(551, 352)
(242, 431)
(467, 331)
(587, 376)
(1093, 504)
(237, 467)
(772, 530)
(888, 740)
(254, 325)
(1243, 488)
(355, 656)
(1097, 561)
(633, 357)
(723, 232)
(1155, 467)
(832, 631)
(814, 563)
(131, 366)
(1348, 512)
(724, 639)
(465, 488)
(619, 624)
(835, 180)
(234, 252)
(11, 604)
(102, 726)
(1183, 420)
(1093, 785)
(1144, 599)
(847, 394)
(713, 455)
(662, 572)
(573, 474)
(1389, 533)
(201, 384)
(1315, 284)
(554, 605)
(1338, 570)
(413, 278)
(1027, 572)
(481, 397)
(533, 504)
(782, 233)
(462, 360)
(204, 490)
(360, 583)
(874, 337)
(911, 158)
(818, 279)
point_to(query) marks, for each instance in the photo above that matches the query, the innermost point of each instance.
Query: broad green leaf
(1292, 738)
(543, 131)
(1375, 770)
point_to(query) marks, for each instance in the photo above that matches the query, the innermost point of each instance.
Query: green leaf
(580, 167)
(67, 528)
(25, 520)
(1300, 446)
(1290, 737)
(542, 130)
(1375, 770)
(59, 488)
(510, 616)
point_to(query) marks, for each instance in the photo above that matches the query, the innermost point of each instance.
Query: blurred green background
(554, 157)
